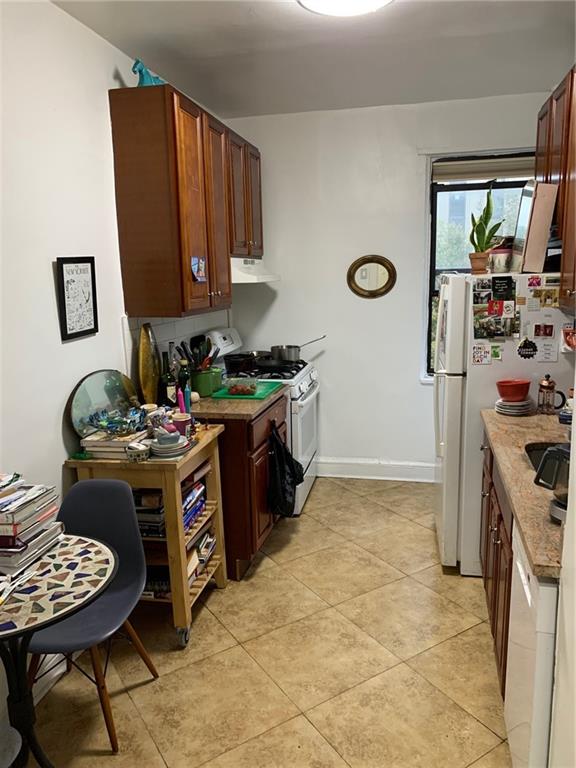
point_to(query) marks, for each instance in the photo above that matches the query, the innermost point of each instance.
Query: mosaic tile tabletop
(67, 576)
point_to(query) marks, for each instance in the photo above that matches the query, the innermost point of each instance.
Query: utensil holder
(216, 378)
(202, 382)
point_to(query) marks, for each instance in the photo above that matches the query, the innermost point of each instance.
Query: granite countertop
(508, 435)
(208, 408)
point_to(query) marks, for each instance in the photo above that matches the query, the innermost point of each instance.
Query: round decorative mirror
(371, 276)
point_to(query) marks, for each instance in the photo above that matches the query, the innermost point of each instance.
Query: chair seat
(91, 625)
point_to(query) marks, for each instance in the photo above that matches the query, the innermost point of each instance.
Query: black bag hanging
(285, 474)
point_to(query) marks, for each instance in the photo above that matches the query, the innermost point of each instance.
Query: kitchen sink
(535, 451)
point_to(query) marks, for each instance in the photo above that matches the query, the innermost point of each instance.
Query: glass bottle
(167, 382)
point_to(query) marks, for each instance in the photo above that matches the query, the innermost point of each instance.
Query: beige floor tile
(467, 591)
(339, 573)
(464, 669)
(295, 537)
(207, 708)
(269, 600)
(401, 543)
(296, 744)
(260, 562)
(71, 729)
(406, 617)
(427, 520)
(325, 492)
(356, 517)
(363, 487)
(399, 720)
(497, 758)
(409, 499)
(154, 625)
(315, 658)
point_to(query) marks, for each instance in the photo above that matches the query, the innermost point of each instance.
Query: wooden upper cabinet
(559, 138)
(187, 198)
(568, 270)
(191, 200)
(238, 210)
(216, 164)
(256, 240)
(542, 164)
(245, 190)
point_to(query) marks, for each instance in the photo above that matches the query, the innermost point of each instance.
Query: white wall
(338, 185)
(58, 199)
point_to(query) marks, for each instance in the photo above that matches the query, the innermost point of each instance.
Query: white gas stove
(302, 419)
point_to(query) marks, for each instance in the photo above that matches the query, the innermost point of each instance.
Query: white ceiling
(270, 56)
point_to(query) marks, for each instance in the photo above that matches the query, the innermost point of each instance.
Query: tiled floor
(346, 645)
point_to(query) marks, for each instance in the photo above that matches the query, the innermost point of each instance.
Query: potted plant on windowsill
(483, 237)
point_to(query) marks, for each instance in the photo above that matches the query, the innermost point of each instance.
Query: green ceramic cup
(202, 382)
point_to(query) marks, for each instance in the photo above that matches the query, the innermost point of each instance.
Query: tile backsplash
(167, 329)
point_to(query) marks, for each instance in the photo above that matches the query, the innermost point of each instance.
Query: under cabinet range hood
(251, 271)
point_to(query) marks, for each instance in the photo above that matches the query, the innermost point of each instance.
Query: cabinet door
(491, 579)
(194, 246)
(542, 167)
(485, 520)
(254, 185)
(262, 521)
(559, 137)
(262, 517)
(568, 278)
(502, 612)
(215, 164)
(238, 214)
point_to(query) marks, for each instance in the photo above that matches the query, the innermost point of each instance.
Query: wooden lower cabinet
(244, 452)
(263, 519)
(496, 558)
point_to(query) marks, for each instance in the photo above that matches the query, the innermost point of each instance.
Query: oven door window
(305, 427)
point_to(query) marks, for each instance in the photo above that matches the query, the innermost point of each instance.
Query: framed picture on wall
(76, 290)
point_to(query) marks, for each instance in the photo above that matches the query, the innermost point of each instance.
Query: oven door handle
(310, 395)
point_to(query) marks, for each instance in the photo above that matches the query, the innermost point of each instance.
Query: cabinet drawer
(259, 429)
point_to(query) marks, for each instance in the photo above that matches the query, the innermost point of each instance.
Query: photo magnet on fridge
(483, 284)
(481, 297)
(496, 352)
(496, 307)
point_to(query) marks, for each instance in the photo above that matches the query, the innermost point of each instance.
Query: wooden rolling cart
(174, 550)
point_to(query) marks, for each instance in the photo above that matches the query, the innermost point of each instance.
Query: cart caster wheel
(183, 636)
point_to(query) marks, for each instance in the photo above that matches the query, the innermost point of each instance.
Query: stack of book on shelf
(101, 445)
(200, 555)
(150, 513)
(193, 502)
(28, 526)
(157, 582)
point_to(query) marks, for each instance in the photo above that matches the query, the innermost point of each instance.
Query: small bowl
(513, 390)
(169, 438)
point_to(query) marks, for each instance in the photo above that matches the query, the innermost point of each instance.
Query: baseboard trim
(375, 469)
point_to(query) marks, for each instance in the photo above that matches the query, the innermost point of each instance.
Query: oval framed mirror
(371, 276)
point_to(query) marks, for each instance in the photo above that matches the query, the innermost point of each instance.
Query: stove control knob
(314, 374)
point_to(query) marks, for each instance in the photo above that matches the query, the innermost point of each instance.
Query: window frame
(436, 187)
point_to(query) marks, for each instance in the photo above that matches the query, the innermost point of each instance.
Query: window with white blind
(458, 189)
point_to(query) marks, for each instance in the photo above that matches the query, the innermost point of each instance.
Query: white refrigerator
(465, 383)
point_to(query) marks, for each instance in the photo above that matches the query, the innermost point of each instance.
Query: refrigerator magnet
(481, 354)
(496, 352)
(503, 287)
(508, 309)
(527, 349)
(547, 352)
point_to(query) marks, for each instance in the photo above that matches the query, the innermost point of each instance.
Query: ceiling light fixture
(343, 7)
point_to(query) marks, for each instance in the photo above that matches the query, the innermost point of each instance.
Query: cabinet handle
(493, 529)
(483, 447)
(484, 494)
(569, 292)
(210, 293)
(497, 543)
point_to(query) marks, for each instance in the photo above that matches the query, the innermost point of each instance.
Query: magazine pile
(28, 527)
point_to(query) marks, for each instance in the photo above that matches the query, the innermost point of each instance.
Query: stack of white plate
(522, 408)
(170, 451)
